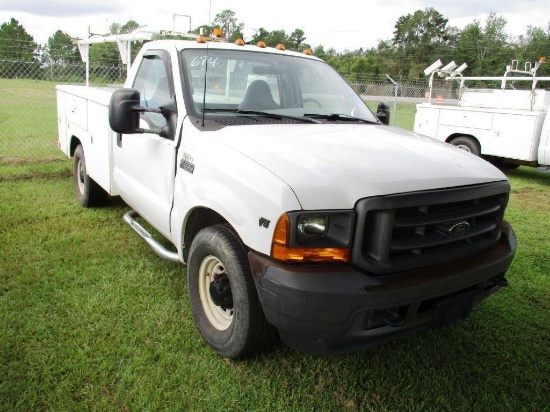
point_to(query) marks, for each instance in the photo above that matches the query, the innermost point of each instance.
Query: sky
(343, 26)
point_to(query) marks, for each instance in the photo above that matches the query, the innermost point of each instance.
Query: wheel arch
(199, 218)
(455, 135)
(75, 141)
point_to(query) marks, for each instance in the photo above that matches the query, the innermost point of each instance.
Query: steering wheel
(301, 102)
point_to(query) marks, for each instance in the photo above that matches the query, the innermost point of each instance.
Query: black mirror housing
(124, 110)
(383, 112)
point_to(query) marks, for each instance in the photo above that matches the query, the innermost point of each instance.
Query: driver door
(144, 164)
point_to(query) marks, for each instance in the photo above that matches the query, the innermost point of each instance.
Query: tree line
(418, 40)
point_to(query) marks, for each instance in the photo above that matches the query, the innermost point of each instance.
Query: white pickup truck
(298, 212)
(508, 125)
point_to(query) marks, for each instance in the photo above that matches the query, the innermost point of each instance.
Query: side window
(152, 82)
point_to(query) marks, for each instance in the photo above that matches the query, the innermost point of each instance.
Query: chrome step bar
(160, 250)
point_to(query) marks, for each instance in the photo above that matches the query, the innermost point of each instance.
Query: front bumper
(335, 308)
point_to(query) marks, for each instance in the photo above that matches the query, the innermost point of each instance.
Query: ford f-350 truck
(298, 212)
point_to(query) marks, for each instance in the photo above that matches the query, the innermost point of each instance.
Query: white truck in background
(505, 125)
(297, 210)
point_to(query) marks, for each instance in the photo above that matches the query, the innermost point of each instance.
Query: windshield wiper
(340, 116)
(269, 115)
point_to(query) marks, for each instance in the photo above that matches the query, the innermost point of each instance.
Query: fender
(211, 176)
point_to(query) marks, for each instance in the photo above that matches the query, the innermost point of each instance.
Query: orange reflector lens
(239, 42)
(543, 59)
(308, 52)
(261, 44)
(201, 39)
(217, 32)
(314, 254)
(281, 47)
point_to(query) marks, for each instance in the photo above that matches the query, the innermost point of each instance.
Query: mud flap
(450, 310)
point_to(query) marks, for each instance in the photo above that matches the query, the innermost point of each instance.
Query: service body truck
(508, 125)
(298, 212)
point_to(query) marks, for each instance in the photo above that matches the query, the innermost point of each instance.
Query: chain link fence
(28, 116)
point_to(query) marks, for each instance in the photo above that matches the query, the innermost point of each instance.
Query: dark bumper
(336, 308)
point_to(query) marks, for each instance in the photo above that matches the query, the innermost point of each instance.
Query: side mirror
(124, 110)
(383, 112)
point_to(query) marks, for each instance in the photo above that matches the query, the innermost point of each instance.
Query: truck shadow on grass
(528, 175)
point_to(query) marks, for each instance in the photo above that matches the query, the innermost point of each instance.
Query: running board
(160, 250)
(544, 169)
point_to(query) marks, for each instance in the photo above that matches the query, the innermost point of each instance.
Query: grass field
(91, 319)
(28, 121)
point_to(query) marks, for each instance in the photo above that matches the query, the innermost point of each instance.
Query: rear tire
(88, 192)
(223, 296)
(468, 144)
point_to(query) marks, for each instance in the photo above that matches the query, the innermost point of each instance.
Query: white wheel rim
(219, 318)
(80, 175)
(464, 147)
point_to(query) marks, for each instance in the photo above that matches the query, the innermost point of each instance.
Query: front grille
(412, 230)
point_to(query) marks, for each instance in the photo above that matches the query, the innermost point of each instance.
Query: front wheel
(468, 144)
(223, 296)
(88, 192)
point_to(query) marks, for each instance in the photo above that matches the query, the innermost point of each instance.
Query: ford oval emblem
(459, 228)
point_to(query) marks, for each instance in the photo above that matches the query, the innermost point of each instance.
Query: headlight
(311, 227)
(313, 236)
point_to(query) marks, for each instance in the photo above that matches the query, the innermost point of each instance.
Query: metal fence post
(395, 88)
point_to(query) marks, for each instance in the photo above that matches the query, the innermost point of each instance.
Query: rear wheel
(88, 192)
(223, 296)
(468, 144)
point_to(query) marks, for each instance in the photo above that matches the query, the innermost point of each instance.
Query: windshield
(243, 82)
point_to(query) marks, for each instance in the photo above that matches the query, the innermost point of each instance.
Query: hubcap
(215, 293)
(80, 176)
(464, 147)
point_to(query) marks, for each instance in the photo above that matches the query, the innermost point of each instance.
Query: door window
(153, 83)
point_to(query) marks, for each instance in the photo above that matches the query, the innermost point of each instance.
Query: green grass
(404, 115)
(28, 120)
(91, 319)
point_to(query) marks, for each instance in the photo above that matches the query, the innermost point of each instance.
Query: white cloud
(60, 8)
(350, 25)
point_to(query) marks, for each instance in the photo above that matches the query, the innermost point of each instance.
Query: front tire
(88, 192)
(467, 144)
(223, 296)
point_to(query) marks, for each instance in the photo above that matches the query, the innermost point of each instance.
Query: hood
(331, 166)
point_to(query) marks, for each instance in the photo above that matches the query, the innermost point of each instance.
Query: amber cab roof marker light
(217, 32)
